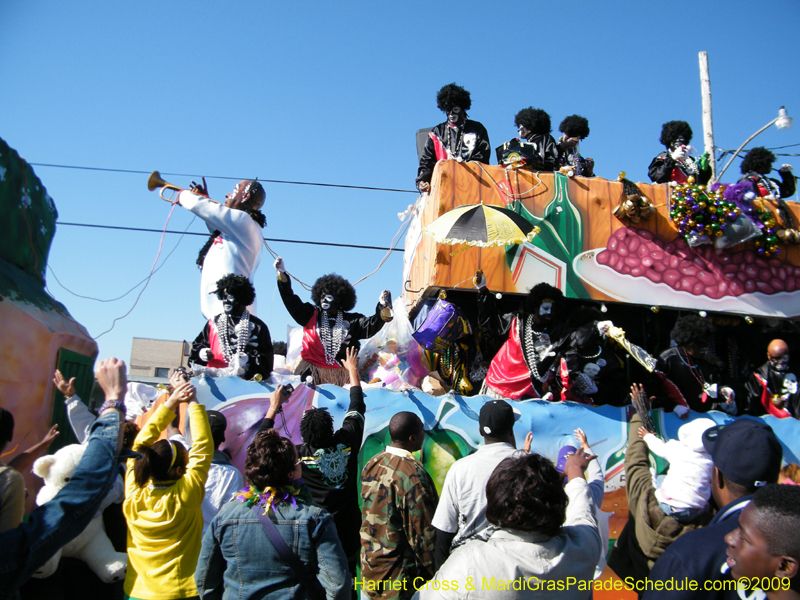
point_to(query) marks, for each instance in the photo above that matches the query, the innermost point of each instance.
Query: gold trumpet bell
(155, 181)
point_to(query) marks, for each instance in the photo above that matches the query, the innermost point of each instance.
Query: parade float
(39, 333)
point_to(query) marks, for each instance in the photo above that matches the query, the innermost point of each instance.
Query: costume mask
(780, 363)
(326, 302)
(231, 306)
(455, 116)
(680, 141)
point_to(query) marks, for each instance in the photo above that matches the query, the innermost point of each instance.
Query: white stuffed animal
(92, 545)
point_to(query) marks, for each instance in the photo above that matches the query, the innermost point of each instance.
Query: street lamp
(782, 121)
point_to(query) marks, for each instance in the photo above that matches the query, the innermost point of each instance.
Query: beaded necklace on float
(698, 375)
(528, 350)
(599, 352)
(241, 330)
(459, 140)
(331, 340)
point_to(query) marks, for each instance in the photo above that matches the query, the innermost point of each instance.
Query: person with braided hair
(675, 164)
(234, 341)
(235, 241)
(328, 329)
(457, 137)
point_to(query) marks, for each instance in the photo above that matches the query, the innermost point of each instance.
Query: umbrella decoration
(482, 225)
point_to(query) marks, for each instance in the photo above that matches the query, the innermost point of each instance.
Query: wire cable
(312, 183)
(172, 231)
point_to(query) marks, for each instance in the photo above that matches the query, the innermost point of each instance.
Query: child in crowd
(164, 492)
(684, 492)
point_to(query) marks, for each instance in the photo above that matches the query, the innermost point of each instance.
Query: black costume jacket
(474, 146)
(582, 167)
(785, 188)
(357, 326)
(661, 169)
(610, 380)
(540, 152)
(258, 350)
(778, 384)
(689, 374)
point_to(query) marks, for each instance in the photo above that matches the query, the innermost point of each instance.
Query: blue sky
(334, 92)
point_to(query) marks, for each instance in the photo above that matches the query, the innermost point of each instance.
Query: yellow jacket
(165, 522)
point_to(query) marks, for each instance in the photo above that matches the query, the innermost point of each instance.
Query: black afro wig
(338, 287)
(237, 286)
(453, 95)
(534, 120)
(575, 126)
(692, 330)
(758, 160)
(540, 292)
(672, 130)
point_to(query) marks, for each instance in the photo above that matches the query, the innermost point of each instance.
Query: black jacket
(258, 350)
(540, 152)
(357, 326)
(474, 146)
(700, 556)
(660, 170)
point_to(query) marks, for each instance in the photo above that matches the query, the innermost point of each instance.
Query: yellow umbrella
(482, 225)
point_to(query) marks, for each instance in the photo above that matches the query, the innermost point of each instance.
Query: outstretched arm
(300, 311)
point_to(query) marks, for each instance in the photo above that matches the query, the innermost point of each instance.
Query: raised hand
(65, 387)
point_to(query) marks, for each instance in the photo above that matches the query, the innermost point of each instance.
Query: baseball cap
(746, 451)
(496, 418)
(217, 422)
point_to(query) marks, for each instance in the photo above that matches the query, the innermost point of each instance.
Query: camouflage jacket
(397, 538)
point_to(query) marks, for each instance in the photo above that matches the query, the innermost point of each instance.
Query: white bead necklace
(331, 341)
(241, 331)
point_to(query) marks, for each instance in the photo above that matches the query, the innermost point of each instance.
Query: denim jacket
(238, 560)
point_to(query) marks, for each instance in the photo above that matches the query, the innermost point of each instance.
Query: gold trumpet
(155, 181)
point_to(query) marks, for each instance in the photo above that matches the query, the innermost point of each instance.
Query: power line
(308, 242)
(334, 185)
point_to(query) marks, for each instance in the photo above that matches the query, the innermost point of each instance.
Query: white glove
(243, 360)
(679, 153)
(785, 168)
(728, 394)
(480, 281)
(205, 354)
(385, 298)
(681, 410)
(279, 266)
(604, 326)
(548, 397)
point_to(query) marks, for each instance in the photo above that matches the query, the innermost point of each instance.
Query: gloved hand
(205, 354)
(678, 153)
(385, 298)
(279, 266)
(682, 411)
(479, 281)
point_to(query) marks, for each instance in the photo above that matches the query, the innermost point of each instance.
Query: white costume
(236, 250)
(688, 482)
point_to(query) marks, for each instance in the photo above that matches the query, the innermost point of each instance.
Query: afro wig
(575, 126)
(534, 120)
(692, 330)
(237, 286)
(337, 286)
(758, 160)
(541, 292)
(672, 130)
(453, 95)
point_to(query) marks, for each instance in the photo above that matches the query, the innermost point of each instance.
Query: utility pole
(708, 120)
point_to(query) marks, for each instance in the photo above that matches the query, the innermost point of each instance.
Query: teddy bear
(92, 545)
